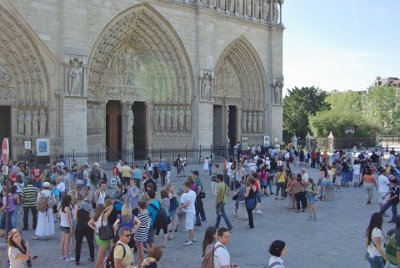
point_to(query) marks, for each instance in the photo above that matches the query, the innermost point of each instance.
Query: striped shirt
(142, 232)
(30, 195)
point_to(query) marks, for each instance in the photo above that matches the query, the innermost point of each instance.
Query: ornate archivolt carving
(25, 66)
(140, 51)
(239, 74)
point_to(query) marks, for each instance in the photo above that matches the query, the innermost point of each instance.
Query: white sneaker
(259, 212)
(188, 243)
(194, 239)
(70, 259)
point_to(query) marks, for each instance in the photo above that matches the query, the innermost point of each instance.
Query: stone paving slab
(334, 240)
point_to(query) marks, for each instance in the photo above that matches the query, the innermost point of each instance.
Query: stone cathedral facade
(107, 75)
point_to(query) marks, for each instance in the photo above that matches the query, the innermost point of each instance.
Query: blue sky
(340, 44)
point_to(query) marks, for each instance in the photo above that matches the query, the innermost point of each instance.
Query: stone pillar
(294, 141)
(75, 124)
(331, 142)
(308, 141)
(127, 126)
(280, 11)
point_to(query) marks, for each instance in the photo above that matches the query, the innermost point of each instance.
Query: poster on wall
(42, 147)
(266, 141)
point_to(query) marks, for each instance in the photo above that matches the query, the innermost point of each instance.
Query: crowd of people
(125, 222)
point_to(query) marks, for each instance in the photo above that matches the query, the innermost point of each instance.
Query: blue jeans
(223, 214)
(14, 218)
(376, 262)
(394, 210)
(280, 185)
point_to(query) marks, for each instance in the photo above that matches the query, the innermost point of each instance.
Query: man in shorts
(383, 187)
(187, 205)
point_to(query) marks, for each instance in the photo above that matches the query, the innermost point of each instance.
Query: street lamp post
(349, 131)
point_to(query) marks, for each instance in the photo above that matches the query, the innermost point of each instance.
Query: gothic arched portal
(240, 85)
(139, 59)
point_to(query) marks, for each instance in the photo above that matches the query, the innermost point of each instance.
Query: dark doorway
(113, 130)
(5, 124)
(139, 130)
(217, 126)
(232, 125)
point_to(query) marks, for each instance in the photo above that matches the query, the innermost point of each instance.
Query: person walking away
(29, 199)
(222, 259)
(220, 201)
(392, 243)
(126, 172)
(187, 205)
(278, 250)
(163, 170)
(250, 200)
(369, 183)
(373, 242)
(173, 204)
(132, 194)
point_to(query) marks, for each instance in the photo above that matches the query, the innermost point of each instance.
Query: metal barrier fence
(107, 159)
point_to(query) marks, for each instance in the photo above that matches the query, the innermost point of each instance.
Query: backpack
(208, 261)
(95, 176)
(109, 261)
(176, 163)
(45, 202)
(162, 218)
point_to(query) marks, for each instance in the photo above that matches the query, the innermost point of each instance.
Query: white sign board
(4, 170)
(27, 145)
(266, 141)
(42, 147)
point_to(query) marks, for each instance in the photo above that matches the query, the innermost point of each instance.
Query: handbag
(250, 203)
(105, 232)
(202, 194)
(235, 197)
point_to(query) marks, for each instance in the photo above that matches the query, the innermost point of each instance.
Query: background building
(101, 75)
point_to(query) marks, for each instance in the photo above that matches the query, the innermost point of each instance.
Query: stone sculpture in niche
(278, 91)
(231, 6)
(248, 8)
(35, 123)
(75, 78)
(239, 7)
(256, 9)
(28, 123)
(206, 86)
(265, 10)
(275, 15)
(43, 123)
(21, 122)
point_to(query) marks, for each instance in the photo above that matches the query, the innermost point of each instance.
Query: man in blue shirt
(163, 167)
(153, 214)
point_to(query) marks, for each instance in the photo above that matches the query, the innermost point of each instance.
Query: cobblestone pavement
(334, 240)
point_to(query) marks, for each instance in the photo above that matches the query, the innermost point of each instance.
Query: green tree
(346, 110)
(381, 103)
(298, 105)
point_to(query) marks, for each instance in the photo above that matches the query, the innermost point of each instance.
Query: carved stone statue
(248, 7)
(256, 9)
(174, 119)
(43, 123)
(162, 119)
(28, 123)
(181, 120)
(35, 123)
(231, 6)
(259, 123)
(21, 122)
(239, 7)
(206, 87)
(221, 4)
(275, 13)
(244, 122)
(248, 122)
(156, 119)
(212, 4)
(278, 91)
(254, 122)
(188, 120)
(75, 78)
(265, 10)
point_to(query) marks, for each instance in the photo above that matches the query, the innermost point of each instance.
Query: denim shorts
(66, 230)
(310, 198)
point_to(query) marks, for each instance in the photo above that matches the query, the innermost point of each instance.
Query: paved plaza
(336, 239)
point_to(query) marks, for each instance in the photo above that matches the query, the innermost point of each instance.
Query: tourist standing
(383, 187)
(153, 208)
(392, 243)
(200, 214)
(66, 212)
(373, 242)
(18, 250)
(172, 208)
(278, 250)
(132, 195)
(312, 191)
(141, 233)
(29, 198)
(393, 200)
(222, 259)
(220, 201)
(280, 183)
(126, 172)
(45, 224)
(82, 216)
(187, 206)
(369, 183)
(250, 200)
(122, 253)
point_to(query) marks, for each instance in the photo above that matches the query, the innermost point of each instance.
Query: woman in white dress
(45, 223)
(205, 166)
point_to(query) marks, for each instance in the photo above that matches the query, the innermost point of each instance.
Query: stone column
(127, 125)
(280, 11)
(75, 123)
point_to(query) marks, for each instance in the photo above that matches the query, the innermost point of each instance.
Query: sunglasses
(128, 235)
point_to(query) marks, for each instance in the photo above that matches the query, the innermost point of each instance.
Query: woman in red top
(258, 194)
